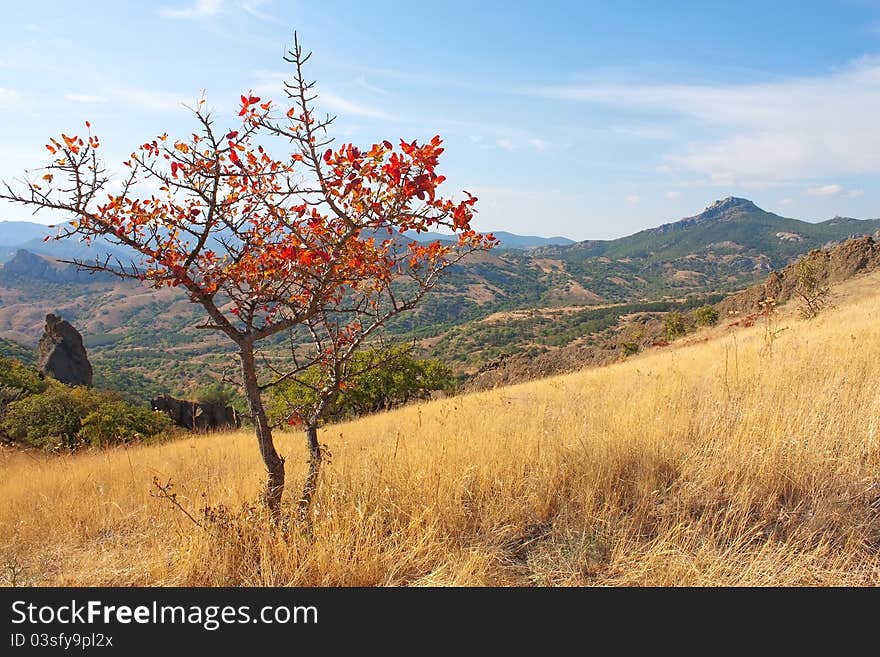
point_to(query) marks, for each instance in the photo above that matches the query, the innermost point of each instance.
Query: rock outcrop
(842, 261)
(197, 416)
(61, 353)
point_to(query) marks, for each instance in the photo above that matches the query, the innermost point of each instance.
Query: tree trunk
(311, 483)
(274, 463)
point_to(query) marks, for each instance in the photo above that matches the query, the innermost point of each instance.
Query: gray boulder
(61, 353)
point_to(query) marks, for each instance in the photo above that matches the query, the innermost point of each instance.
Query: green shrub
(50, 418)
(14, 375)
(120, 422)
(387, 379)
(675, 326)
(706, 316)
(61, 416)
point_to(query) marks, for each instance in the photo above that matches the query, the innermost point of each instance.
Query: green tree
(706, 316)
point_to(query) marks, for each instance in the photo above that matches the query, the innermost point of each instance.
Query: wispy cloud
(633, 198)
(784, 130)
(825, 190)
(200, 9)
(9, 97)
(672, 195)
(84, 98)
(855, 193)
(150, 100)
(363, 83)
(350, 107)
(537, 144)
(271, 83)
(255, 9)
(643, 131)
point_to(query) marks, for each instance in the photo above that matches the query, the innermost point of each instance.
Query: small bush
(706, 316)
(61, 416)
(675, 326)
(813, 294)
(388, 378)
(51, 418)
(18, 380)
(120, 422)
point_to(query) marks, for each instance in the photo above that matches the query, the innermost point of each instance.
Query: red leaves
(247, 101)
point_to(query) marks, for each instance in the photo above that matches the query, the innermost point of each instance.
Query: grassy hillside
(716, 462)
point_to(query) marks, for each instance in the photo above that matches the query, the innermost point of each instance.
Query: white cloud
(643, 131)
(825, 190)
(786, 201)
(201, 9)
(537, 144)
(633, 198)
(255, 9)
(9, 97)
(349, 107)
(672, 195)
(783, 130)
(505, 143)
(855, 193)
(271, 84)
(362, 82)
(84, 98)
(153, 101)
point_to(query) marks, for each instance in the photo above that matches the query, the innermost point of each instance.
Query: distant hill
(15, 233)
(730, 226)
(505, 240)
(492, 304)
(18, 235)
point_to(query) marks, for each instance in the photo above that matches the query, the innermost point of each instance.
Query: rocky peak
(61, 353)
(728, 205)
(724, 210)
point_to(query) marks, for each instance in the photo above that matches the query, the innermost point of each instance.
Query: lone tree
(309, 243)
(809, 287)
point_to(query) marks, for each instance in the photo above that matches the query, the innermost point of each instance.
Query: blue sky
(590, 120)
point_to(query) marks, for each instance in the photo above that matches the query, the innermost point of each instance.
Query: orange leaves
(182, 147)
(248, 101)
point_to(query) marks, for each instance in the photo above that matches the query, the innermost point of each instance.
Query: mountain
(27, 235)
(18, 235)
(731, 225)
(15, 233)
(505, 240)
(505, 301)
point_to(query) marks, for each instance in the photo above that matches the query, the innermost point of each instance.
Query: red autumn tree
(310, 243)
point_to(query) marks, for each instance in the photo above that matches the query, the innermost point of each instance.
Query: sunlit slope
(729, 461)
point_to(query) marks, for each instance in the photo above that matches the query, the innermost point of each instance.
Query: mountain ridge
(540, 298)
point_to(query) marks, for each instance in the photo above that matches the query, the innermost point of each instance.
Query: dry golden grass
(715, 463)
